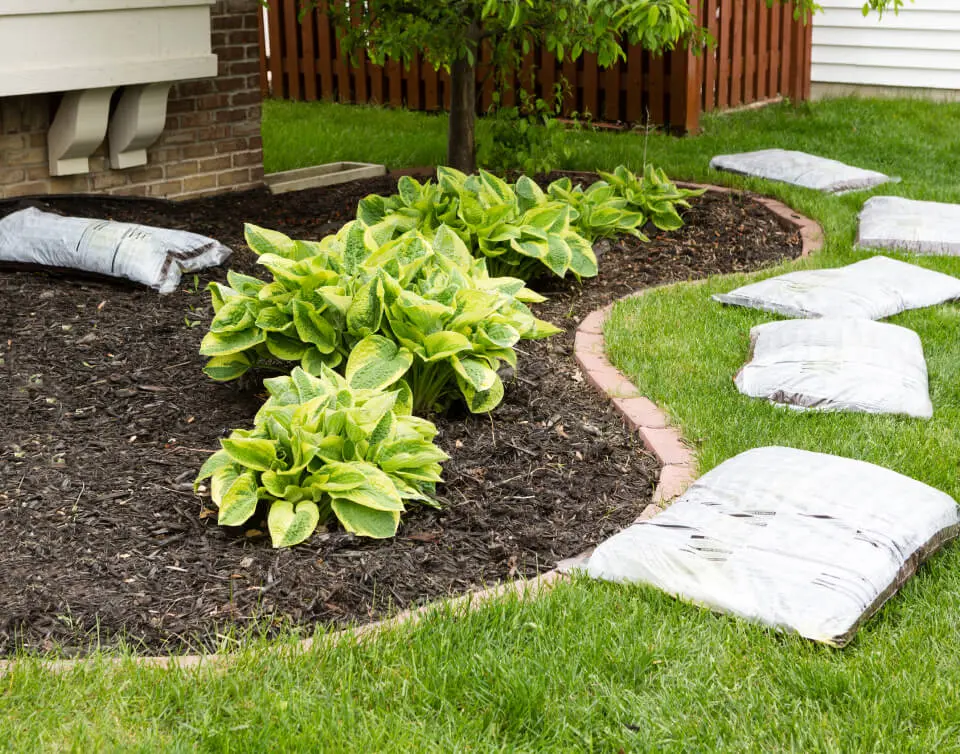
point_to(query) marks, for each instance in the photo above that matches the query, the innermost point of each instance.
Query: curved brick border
(639, 413)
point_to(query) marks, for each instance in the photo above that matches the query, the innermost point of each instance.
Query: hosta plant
(519, 229)
(430, 299)
(328, 446)
(599, 210)
(652, 194)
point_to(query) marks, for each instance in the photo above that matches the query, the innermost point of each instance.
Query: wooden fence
(761, 53)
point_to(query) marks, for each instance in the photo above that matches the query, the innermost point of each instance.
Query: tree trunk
(461, 138)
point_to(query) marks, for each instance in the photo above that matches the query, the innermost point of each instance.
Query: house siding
(919, 48)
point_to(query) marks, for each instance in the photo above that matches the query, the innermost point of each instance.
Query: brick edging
(640, 413)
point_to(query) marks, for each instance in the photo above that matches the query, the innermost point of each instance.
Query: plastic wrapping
(153, 256)
(838, 365)
(872, 289)
(797, 540)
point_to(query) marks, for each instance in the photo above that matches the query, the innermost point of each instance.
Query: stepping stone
(799, 169)
(892, 222)
(838, 365)
(871, 289)
(802, 541)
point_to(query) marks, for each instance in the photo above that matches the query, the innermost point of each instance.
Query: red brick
(593, 322)
(230, 116)
(640, 412)
(213, 101)
(215, 133)
(674, 480)
(230, 84)
(232, 145)
(224, 23)
(244, 37)
(230, 53)
(193, 88)
(242, 67)
(196, 120)
(246, 98)
(256, 174)
(181, 105)
(666, 444)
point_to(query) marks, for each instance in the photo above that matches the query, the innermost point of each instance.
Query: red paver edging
(640, 413)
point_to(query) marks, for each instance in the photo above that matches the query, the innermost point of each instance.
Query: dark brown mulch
(107, 417)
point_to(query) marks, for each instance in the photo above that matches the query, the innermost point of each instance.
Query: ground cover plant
(597, 666)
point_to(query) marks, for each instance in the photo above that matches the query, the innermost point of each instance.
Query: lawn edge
(640, 413)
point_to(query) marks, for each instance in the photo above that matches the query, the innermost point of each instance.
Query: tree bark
(461, 136)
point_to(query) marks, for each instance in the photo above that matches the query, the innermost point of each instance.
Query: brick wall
(211, 143)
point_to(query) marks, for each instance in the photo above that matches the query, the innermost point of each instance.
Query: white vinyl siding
(917, 48)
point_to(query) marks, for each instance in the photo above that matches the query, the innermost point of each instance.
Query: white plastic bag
(892, 222)
(803, 541)
(799, 169)
(871, 289)
(153, 256)
(838, 365)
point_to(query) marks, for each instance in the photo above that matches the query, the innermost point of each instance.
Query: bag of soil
(156, 257)
(797, 540)
(838, 365)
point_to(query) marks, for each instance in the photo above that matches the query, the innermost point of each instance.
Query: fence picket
(761, 51)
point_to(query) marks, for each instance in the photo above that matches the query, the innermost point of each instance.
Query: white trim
(39, 7)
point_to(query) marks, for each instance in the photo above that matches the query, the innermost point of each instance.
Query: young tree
(450, 33)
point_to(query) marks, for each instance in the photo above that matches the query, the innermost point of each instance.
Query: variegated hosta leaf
(481, 401)
(224, 344)
(376, 363)
(226, 368)
(290, 526)
(264, 241)
(240, 501)
(250, 452)
(364, 521)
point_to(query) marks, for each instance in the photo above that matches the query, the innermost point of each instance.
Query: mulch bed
(107, 418)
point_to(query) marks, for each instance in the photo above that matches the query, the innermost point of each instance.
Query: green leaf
(475, 372)
(234, 315)
(240, 501)
(481, 401)
(264, 241)
(224, 344)
(217, 461)
(376, 363)
(284, 348)
(226, 368)
(363, 521)
(272, 319)
(245, 284)
(222, 480)
(366, 311)
(313, 328)
(558, 256)
(290, 526)
(440, 345)
(252, 453)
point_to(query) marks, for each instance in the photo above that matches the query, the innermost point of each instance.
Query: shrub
(321, 447)
(444, 321)
(528, 136)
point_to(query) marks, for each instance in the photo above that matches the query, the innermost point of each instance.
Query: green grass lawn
(598, 667)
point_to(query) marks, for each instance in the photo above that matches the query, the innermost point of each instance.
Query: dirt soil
(106, 418)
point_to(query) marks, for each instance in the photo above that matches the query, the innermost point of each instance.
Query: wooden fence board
(760, 52)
